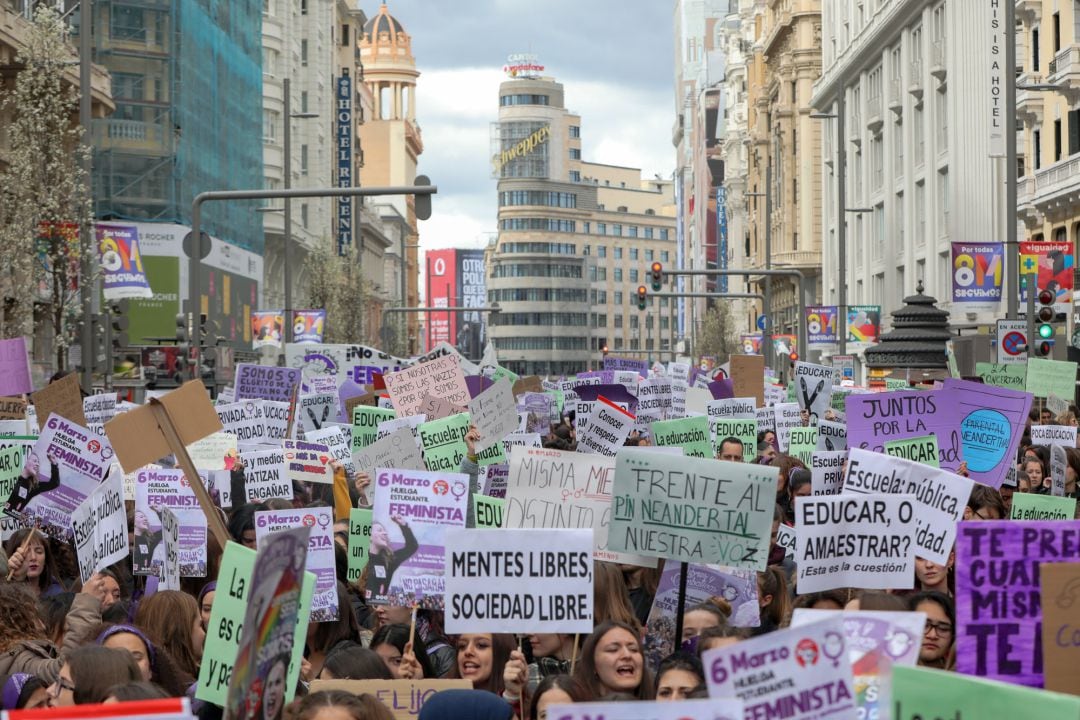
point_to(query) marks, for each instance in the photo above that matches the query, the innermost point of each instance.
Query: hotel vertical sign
(998, 74)
(344, 113)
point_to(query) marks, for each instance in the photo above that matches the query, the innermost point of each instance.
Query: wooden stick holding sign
(23, 549)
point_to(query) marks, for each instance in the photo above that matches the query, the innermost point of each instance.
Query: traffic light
(1044, 314)
(604, 348)
(657, 274)
(642, 297)
(183, 342)
(118, 323)
(422, 203)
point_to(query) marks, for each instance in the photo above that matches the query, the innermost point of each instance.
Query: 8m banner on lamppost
(977, 273)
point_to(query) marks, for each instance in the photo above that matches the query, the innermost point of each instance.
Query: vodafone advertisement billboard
(456, 278)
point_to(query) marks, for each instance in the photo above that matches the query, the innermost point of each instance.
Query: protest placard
(307, 461)
(15, 367)
(365, 425)
(998, 608)
(1064, 435)
(827, 472)
(267, 638)
(1059, 464)
(1060, 629)
(412, 422)
(320, 556)
(920, 692)
(170, 540)
(338, 440)
(1031, 506)
(877, 642)
(748, 377)
(654, 398)
(549, 488)
(216, 451)
(692, 509)
(743, 430)
(1012, 376)
(813, 388)
(802, 442)
(245, 419)
(359, 540)
(156, 490)
(678, 399)
(874, 419)
(992, 420)
(403, 698)
(266, 476)
(192, 535)
(494, 414)
(64, 466)
(1051, 377)
(940, 495)
(798, 673)
(99, 525)
(12, 408)
(488, 511)
(534, 581)
(396, 450)
(864, 541)
(316, 410)
(785, 538)
(412, 511)
(832, 436)
(260, 382)
(641, 367)
(492, 479)
(922, 449)
(731, 409)
(606, 428)
(691, 434)
(738, 587)
(786, 415)
(441, 378)
(711, 709)
(61, 397)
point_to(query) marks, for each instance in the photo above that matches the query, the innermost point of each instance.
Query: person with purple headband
(24, 691)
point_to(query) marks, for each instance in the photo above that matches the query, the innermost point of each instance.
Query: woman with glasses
(939, 632)
(89, 673)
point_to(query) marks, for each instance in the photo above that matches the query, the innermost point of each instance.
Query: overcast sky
(614, 58)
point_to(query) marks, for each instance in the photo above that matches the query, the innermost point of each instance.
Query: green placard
(745, 430)
(227, 619)
(1029, 506)
(365, 424)
(922, 449)
(359, 539)
(802, 443)
(488, 511)
(1051, 377)
(691, 434)
(897, 384)
(501, 372)
(839, 395)
(1010, 375)
(11, 463)
(444, 442)
(924, 694)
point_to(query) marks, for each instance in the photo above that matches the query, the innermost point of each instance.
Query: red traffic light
(794, 356)
(1046, 297)
(642, 291)
(657, 268)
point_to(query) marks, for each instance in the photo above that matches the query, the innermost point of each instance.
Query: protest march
(448, 539)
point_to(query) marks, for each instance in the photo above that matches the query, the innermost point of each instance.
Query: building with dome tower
(391, 137)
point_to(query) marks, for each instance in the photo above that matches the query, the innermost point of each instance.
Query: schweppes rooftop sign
(520, 149)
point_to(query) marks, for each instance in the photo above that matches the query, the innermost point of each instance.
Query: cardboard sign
(359, 540)
(404, 698)
(12, 408)
(827, 472)
(407, 553)
(63, 398)
(711, 709)
(813, 386)
(693, 510)
(260, 382)
(1049, 435)
(922, 449)
(940, 495)
(1051, 377)
(15, 369)
(832, 436)
(641, 367)
(396, 450)
(920, 692)
(654, 399)
(266, 476)
(742, 429)
(273, 602)
(1012, 376)
(786, 538)
(738, 587)
(317, 410)
(533, 581)
(1060, 628)
(307, 462)
(998, 611)
(1030, 506)
(320, 554)
(748, 377)
(875, 419)
(494, 414)
(731, 409)
(488, 511)
(606, 429)
(778, 673)
(99, 409)
(338, 440)
(365, 425)
(691, 434)
(864, 541)
(227, 619)
(99, 525)
(441, 377)
(155, 491)
(558, 489)
(217, 451)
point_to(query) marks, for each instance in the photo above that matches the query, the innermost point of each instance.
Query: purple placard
(876, 418)
(992, 421)
(998, 604)
(262, 382)
(641, 367)
(722, 389)
(614, 393)
(14, 367)
(477, 384)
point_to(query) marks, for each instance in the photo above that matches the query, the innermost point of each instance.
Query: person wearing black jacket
(28, 487)
(383, 559)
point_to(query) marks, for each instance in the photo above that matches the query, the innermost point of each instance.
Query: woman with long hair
(555, 690)
(773, 599)
(173, 621)
(678, 676)
(383, 559)
(939, 633)
(352, 662)
(339, 705)
(28, 485)
(89, 673)
(30, 561)
(611, 599)
(391, 642)
(481, 659)
(612, 663)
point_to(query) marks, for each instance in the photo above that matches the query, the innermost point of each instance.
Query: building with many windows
(575, 241)
(918, 140)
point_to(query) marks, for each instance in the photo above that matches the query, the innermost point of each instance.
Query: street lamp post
(86, 265)
(287, 251)
(766, 302)
(841, 216)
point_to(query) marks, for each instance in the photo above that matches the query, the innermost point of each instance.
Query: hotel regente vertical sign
(344, 112)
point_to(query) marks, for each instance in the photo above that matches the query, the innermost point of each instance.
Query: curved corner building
(575, 240)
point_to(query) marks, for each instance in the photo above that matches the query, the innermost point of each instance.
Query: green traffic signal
(1046, 331)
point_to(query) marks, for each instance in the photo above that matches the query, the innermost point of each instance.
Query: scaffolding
(187, 81)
